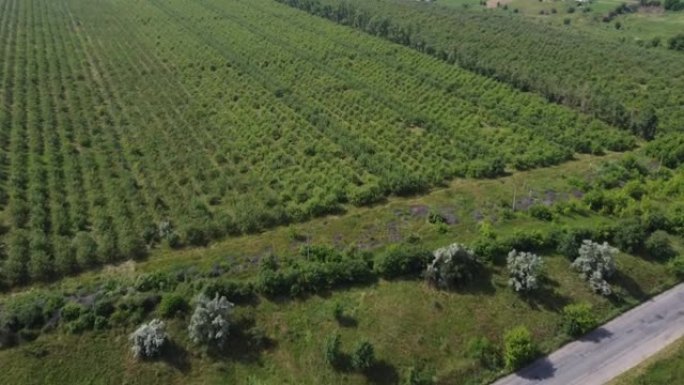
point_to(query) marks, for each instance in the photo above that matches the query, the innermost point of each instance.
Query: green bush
(103, 307)
(630, 235)
(85, 322)
(416, 376)
(274, 283)
(363, 356)
(676, 42)
(596, 200)
(530, 240)
(332, 351)
(656, 220)
(491, 249)
(673, 5)
(485, 168)
(313, 277)
(100, 323)
(235, 292)
(172, 305)
(30, 310)
(485, 352)
(155, 281)
(435, 217)
(518, 348)
(541, 212)
(402, 260)
(570, 240)
(669, 149)
(196, 236)
(132, 308)
(658, 246)
(366, 195)
(71, 311)
(676, 266)
(578, 319)
(320, 253)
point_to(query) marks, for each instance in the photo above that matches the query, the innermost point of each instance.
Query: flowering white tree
(148, 339)
(524, 269)
(451, 266)
(595, 263)
(210, 323)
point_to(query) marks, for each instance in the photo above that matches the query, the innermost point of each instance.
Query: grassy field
(410, 325)
(666, 367)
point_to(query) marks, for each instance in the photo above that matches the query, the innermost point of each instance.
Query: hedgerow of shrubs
(402, 261)
(173, 304)
(324, 272)
(658, 246)
(235, 291)
(630, 235)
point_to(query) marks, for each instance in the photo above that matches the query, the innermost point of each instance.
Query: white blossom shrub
(148, 339)
(210, 322)
(524, 269)
(596, 263)
(451, 266)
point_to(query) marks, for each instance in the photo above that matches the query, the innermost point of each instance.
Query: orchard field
(185, 121)
(631, 86)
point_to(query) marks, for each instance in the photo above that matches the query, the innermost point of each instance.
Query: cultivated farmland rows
(186, 121)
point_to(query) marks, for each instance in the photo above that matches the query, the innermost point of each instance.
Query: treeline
(620, 83)
(673, 5)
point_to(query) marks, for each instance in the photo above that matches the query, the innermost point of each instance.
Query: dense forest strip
(623, 84)
(187, 121)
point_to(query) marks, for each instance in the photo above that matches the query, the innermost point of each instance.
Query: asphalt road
(611, 349)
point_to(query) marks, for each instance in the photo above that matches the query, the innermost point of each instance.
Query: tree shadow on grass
(382, 373)
(245, 343)
(346, 321)
(176, 356)
(546, 296)
(629, 285)
(480, 284)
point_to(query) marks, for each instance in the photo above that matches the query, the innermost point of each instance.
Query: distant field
(223, 117)
(631, 86)
(644, 25)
